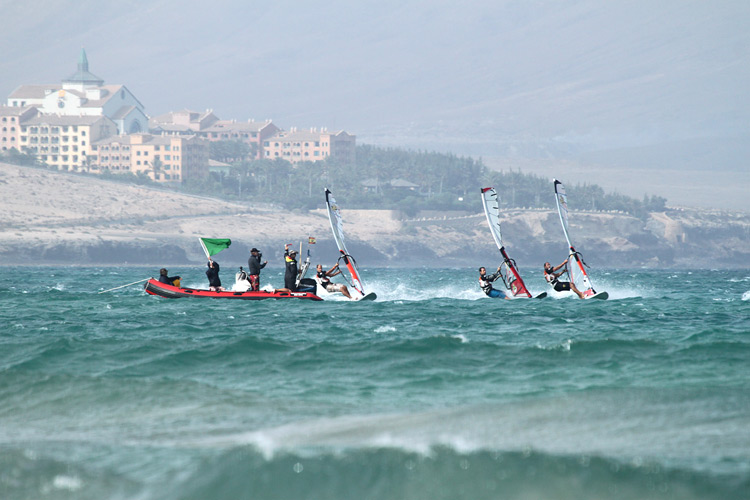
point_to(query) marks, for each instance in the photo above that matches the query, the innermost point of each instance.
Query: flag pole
(123, 286)
(205, 250)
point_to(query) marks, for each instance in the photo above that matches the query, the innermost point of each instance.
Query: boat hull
(155, 287)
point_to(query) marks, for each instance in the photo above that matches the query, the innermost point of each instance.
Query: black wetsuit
(213, 275)
(290, 276)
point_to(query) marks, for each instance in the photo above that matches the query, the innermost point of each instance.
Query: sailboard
(576, 268)
(508, 269)
(334, 217)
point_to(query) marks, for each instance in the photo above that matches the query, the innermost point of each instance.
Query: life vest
(324, 280)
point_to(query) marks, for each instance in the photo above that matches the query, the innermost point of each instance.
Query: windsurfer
(551, 275)
(485, 282)
(253, 269)
(214, 283)
(168, 280)
(325, 280)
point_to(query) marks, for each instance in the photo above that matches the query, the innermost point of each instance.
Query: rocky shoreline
(51, 218)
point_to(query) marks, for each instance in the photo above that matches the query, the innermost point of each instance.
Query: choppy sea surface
(431, 392)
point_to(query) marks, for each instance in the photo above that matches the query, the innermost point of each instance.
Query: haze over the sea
(637, 96)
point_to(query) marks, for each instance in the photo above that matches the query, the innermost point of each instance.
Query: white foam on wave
(385, 329)
(746, 295)
(388, 291)
(580, 423)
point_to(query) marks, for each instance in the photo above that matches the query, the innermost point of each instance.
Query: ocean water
(431, 392)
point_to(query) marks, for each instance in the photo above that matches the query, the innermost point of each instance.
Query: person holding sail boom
(551, 275)
(325, 280)
(485, 283)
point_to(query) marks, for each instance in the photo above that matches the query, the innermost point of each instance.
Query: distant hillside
(62, 219)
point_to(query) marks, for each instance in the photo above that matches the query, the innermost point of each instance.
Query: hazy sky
(636, 95)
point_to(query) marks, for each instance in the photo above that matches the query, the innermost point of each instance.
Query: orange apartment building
(10, 126)
(163, 158)
(208, 126)
(310, 145)
(64, 142)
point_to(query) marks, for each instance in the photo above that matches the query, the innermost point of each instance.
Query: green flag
(212, 246)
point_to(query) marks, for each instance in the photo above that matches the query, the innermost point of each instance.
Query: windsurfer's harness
(324, 279)
(550, 276)
(485, 282)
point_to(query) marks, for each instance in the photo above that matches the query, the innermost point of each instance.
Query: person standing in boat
(485, 283)
(253, 269)
(292, 270)
(325, 280)
(214, 283)
(551, 275)
(168, 280)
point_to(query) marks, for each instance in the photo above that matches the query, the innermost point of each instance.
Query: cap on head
(253, 250)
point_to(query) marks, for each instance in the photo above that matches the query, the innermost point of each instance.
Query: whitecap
(70, 483)
(385, 328)
(746, 295)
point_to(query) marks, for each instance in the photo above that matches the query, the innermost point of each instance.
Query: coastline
(54, 218)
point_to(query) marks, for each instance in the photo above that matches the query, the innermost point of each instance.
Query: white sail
(576, 270)
(562, 208)
(511, 277)
(334, 217)
(492, 212)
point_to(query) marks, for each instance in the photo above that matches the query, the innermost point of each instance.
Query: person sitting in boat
(485, 282)
(253, 269)
(168, 280)
(325, 280)
(290, 275)
(214, 283)
(552, 277)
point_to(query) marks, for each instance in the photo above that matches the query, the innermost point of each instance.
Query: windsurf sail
(576, 265)
(508, 269)
(212, 246)
(334, 217)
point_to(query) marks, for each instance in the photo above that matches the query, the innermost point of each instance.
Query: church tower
(82, 78)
